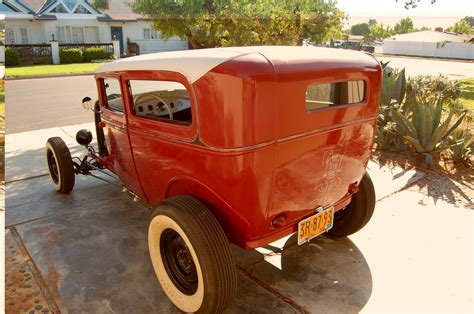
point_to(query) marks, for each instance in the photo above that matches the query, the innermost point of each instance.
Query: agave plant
(462, 145)
(393, 92)
(424, 127)
(386, 136)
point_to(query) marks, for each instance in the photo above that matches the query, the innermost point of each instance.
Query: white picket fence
(429, 49)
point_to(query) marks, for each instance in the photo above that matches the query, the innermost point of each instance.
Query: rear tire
(359, 211)
(61, 169)
(191, 256)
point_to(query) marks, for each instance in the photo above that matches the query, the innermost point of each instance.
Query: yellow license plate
(315, 225)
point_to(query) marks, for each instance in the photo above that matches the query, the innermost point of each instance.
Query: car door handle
(121, 127)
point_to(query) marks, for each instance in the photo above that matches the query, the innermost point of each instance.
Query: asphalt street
(455, 70)
(34, 104)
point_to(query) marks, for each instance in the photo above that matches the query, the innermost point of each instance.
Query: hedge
(96, 54)
(12, 57)
(73, 55)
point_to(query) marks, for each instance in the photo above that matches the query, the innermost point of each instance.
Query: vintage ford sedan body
(262, 141)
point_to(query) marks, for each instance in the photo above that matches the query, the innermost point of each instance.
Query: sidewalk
(24, 152)
(87, 251)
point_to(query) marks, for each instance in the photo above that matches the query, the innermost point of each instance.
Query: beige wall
(40, 32)
(428, 49)
(134, 32)
(35, 29)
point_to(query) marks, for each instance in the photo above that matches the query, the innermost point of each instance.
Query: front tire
(359, 211)
(191, 256)
(61, 169)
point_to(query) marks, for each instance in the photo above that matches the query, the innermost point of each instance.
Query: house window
(320, 96)
(24, 36)
(77, 34)
(81, 10)
(68, 34)
(150, 33)
(60, 34)
(59, 9)
(161, 101)
(91, 34)
(70, 4)
(9, 36)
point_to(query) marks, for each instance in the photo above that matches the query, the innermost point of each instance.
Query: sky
(442, 13)
(391, 7)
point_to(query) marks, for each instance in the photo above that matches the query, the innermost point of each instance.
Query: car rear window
(320, 96)
(163, 101)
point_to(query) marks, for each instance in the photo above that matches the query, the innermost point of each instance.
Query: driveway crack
(273, 291)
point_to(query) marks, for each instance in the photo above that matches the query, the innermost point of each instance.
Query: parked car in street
(239, 145)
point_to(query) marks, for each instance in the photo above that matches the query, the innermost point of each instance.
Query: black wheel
(61, 169)
(359, 211)
(191, 256)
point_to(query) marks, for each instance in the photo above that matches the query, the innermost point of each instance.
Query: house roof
(193, 64)
(121, 10)
(15, 6)
(430, 36)
(46, 17)
(35, 5)
(6, 8)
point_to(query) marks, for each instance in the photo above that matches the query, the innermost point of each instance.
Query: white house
(430, 44)
(77, 21)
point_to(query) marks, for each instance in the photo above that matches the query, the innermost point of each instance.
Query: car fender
(233, 224)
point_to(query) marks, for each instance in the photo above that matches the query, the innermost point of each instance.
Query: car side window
(320, 96)
(163, 101)
(113, 94)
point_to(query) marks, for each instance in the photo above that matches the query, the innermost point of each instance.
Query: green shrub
(96, 54)
(429, 86)
(424, 128)
(73, 55)
(12, 57)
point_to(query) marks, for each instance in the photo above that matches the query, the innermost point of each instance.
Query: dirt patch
(22, 291)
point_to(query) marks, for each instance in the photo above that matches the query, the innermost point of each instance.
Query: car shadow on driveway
(90, 248)
(325, 275)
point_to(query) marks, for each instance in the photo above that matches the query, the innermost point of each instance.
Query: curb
(381, 55)
(17, 78)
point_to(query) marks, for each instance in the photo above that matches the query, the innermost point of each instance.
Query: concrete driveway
(87, 251)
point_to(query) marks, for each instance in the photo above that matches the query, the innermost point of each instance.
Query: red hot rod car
(242, 145)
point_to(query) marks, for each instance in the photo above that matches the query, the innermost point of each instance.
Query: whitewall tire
(191, 256)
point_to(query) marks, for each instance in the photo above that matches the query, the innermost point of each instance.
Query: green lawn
(2, 137)
(51, 69)
(467, 96)
(2, 98)
(2, 112)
